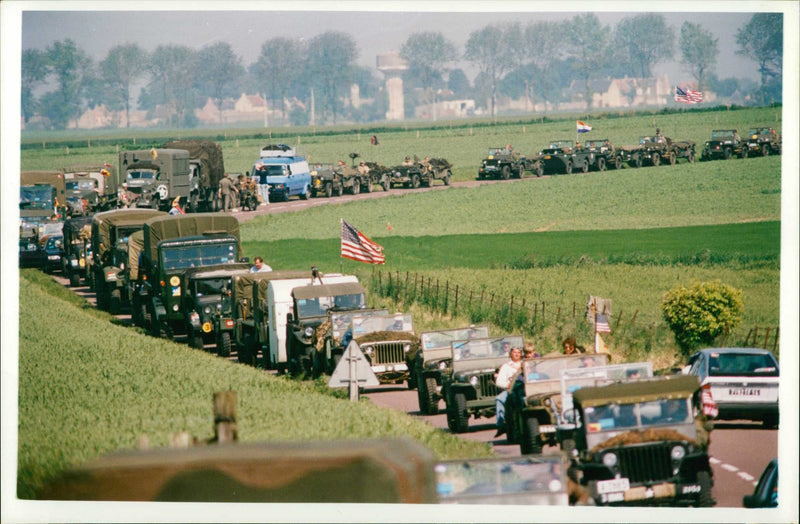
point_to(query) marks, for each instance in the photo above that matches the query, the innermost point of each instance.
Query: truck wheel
(196, 340)
(318, 363)
(480, 175)
(415, 181)
(568, 167)
(655, 159)
(446, 177)
(618, 162)
(459, 413)
(304, 194)
(704, 498)
(114, 302)
(637, 161)
(356, 187)
(422, 394)
(155, 323)
(672, 158)
(385, 184)
(74, 279)
(728, 153)
(744, 151)
(539, 170)
(224, 345)
(506, 172)
(771, 422)
(328, 191)
(338, 190)
(369, 186)
(433, 396)
(585, 167)
(601, 164)
(765, 150)
(691, 157)
(529, 440)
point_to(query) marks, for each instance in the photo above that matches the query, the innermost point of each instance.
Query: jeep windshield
(561, 144)
(742, 365)
(483, 348)
(497, 151)
(364, 324)
(210, 287)
(550, 368)
(198, 254)
(597, 144)
(141, 177)
(722, 134)
(36, 197)
(81, 185)
(319, 306)
(614, 416)
(442, 339)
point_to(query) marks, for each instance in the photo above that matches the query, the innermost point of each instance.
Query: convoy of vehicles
(154, 178)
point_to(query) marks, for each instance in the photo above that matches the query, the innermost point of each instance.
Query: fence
(518, 314)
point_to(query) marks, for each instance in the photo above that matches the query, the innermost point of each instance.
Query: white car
(743, 382)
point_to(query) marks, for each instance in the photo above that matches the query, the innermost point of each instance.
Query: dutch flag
(583, 128)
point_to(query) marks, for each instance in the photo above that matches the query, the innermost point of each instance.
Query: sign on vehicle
(613, 485)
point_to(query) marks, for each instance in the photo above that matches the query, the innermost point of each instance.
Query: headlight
(194, 318)
(407, 348)
(207, 310)
(442, 365)
(309, 331)
(473, 380)
(53, 257)
(610, 460)
(368, 351)
(678, 453)
(122, 266)
(174, 280)
(175, 307)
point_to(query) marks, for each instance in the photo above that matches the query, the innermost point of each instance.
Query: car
(765, 495)
(52, 247)
(743, 382)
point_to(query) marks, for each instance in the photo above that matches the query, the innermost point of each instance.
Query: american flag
(356, 246)
(601, 324)
(687, 96)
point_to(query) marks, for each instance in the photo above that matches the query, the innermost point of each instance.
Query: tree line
(537, 61)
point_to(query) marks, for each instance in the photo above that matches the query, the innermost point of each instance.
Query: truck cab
(154, 178)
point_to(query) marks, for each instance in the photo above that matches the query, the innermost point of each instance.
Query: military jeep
(764, 141)
(501, 162)
(562, 156)
(77, 244)
(389, 344)
(533, 406)
(335, 333)
(603, 155)
(724, 143)
(643, 442)
(326, 181)
(434, 360)
(208, 306)
(310, 309)
(469, 389)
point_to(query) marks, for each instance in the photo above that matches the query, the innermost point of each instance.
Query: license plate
(549, 428)
(378, 369)
(744, 392)
(613, 485)
(547, 157)
(400, 367)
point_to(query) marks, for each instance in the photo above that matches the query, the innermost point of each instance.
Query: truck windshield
(211, 286)
(198, 255)
(641, 414)
(36, 197)
(84, 184)
(278, 170)
(141, 177)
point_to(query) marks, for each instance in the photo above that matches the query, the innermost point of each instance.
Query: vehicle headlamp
(368, 350)
(678, 452)
(473, 380)
(175, 307)
(442, 365)
(174, 280)
(610, 460)
(207, 310)
(309, 331)
(406, 348)
(122, 266)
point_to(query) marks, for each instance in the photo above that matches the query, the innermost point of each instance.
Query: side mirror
(289, 317)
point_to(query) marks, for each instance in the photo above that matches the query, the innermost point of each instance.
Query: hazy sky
(376, 26)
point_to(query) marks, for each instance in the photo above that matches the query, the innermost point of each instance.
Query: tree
(458, 83)
(33, 73)
(172, 72)
(544, 43)
(329, 64)
(428, 54)
(644, 40)
(220, 73)
(587, 46)
(761, 39)
(120, 69)
(277, 68)
(700, 313)
(68, 65)
(699, 51)
(487, 48)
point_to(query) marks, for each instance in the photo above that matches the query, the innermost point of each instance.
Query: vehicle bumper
(671, 493)
(746, 411)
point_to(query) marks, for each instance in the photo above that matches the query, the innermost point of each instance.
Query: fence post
(225, 417)
(415, 285)
(446, 293)
(573, 309)
(558, 314)
(634, 316)
(511, 306)
(755, 335)
(491, 302)
(455, 305)
(405, 291)
(469, 303)
(766, 337)
(775, 345)
(746, 340)
(619, 317)
(544, 318)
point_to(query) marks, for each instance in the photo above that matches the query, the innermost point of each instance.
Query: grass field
(82, 394)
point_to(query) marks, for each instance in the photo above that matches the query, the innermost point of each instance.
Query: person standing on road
(176, 207)
(227, 192)
(259, 266)
(263, 188)
(503, 381)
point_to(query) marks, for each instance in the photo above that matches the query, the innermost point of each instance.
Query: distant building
(620, 93)
(446, 109)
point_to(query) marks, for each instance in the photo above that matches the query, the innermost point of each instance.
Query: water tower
(391, 65)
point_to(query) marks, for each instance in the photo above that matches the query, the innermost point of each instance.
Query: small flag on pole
(687, 96)
(601, 324)
(583, 127)
(356, 246)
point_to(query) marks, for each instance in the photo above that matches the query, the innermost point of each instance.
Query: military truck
(433, 361)
(724, 143)
(96, 185)
(764, 141)
(154, 178)
(534, 401)
(206, 169)
(469, 389)
(643, 442)
(388, 343)
(326, 180)
(77, 242)
(561, 156)
(173, 245)
(501, 162)
(110, 233)
(42, 197)
(311, 306)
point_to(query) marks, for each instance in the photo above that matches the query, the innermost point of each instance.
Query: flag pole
(341, 262)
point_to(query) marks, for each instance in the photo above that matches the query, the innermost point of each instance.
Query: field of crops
(82, 394)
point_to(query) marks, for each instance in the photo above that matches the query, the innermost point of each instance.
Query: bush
(700, 313)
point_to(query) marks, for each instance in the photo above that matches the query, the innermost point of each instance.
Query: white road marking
(714, 460)
(745, 476)
(730, 468)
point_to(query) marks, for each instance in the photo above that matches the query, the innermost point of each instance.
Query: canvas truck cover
(259, 284)
(111, 180)
(328, 290)
(180, 226)
(135, 247)
(245, 285)
(101, 224)
(645, 390)
(208, 153)
(52, 178)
